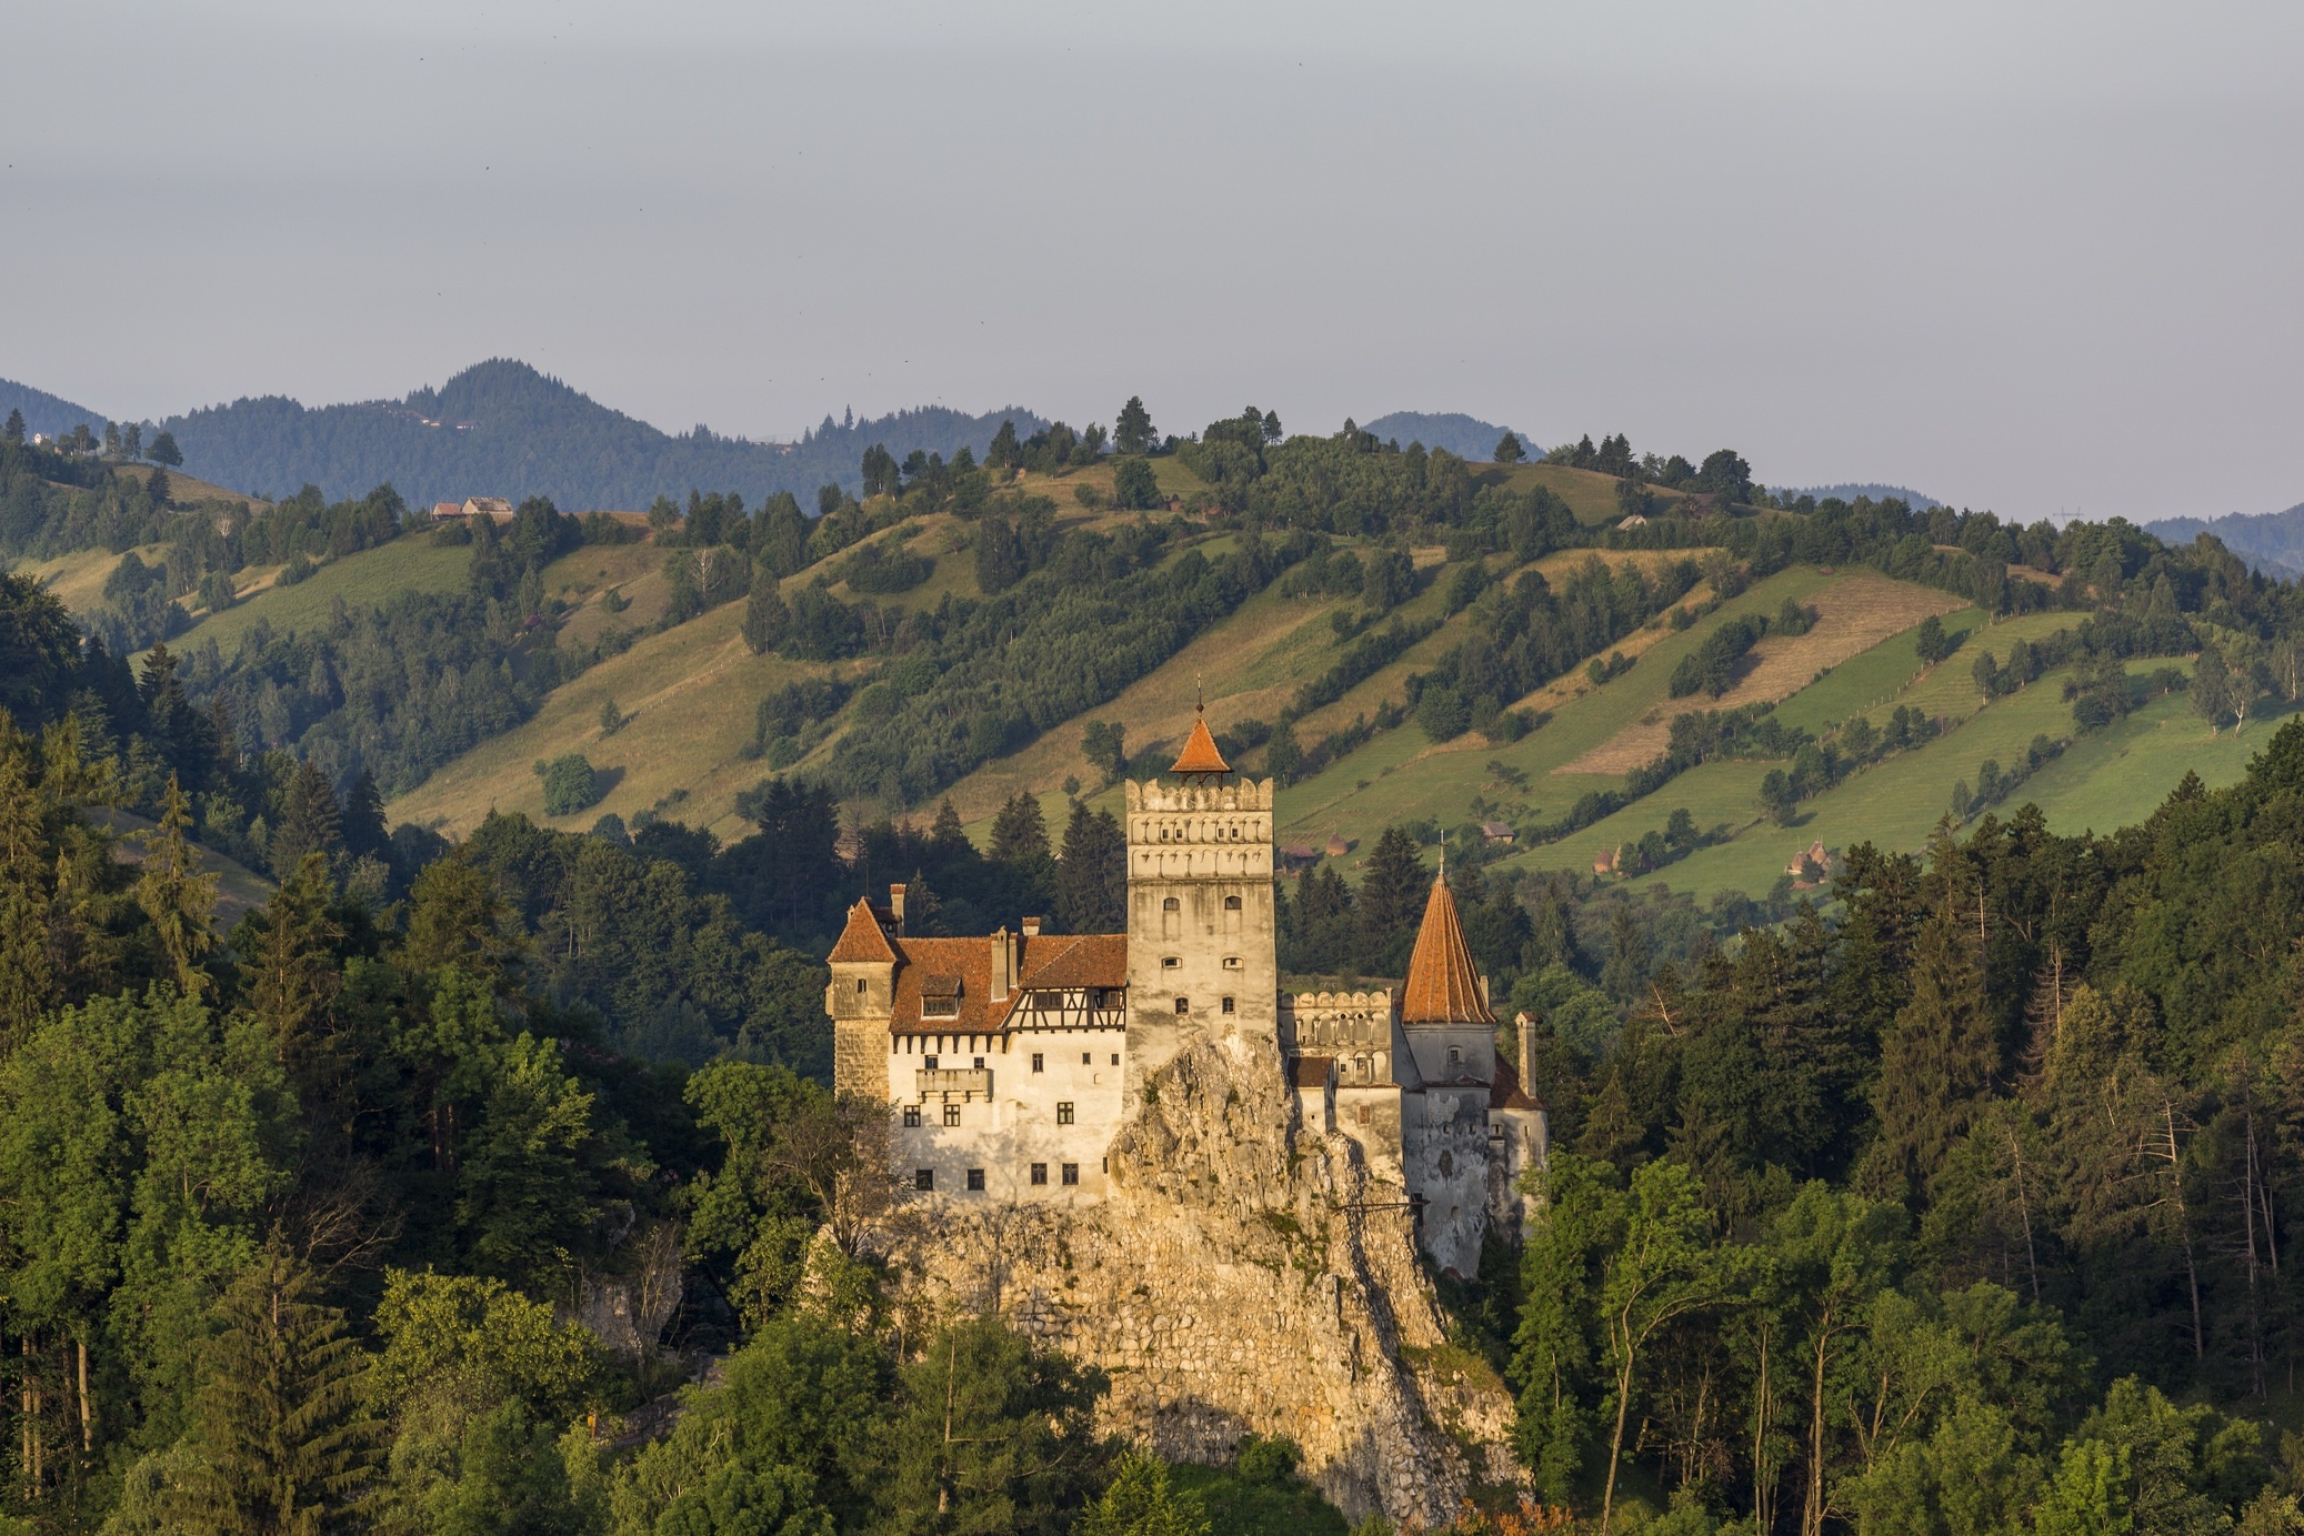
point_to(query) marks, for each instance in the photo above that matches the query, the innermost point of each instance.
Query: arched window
(1171, 904)
(1231, 903)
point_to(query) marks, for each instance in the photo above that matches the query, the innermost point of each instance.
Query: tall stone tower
(1203, 953)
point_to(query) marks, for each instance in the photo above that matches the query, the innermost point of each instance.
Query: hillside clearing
(1854, 614)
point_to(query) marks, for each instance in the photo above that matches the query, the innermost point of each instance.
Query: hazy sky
(2038, 256)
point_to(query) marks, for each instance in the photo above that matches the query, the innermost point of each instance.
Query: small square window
(1455, 1056)
(911, 1117)
(860, 986)
(1071, 1173)
(1231, 962)
(1083, 1058)
(924, 1179)
(976, 1178)
(1171, 963)
(1363, 1114)
(1115, 1058)
(1171, 905)
(1227, 1005)
(1064, 1112)
(1039, 1064)
(1039, 1173)
(1183, 1005)
(1231, 903)
(929, 1062)
(979, 1063)
(951, 1114)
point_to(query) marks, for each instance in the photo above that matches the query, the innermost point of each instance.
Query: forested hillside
(501, 428)
(1941, 1185)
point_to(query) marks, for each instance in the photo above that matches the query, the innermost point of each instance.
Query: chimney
(896, 905)
(1031, 927)
(1525, 1028)
(1003, 964)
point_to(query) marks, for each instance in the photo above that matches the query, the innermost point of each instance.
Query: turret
(1444, 1005)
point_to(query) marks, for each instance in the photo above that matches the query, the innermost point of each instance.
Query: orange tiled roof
(863, 938)
(1443, 984)
(1075, 960)
(1312, 1071)
(1200, 754)
(1505, 1090)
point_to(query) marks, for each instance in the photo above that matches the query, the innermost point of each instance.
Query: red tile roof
(933, 967)
(863, 939)
(1505, 1091)
(1443, 984)
(1312, 1071)
(1200, 754)
(1076, 960)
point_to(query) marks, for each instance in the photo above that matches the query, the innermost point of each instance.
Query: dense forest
(411, 1197)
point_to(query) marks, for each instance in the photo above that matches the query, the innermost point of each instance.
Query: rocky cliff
(1244, 1276)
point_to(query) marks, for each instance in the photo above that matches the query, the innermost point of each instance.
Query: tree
(1931, 642)
(14, 431)
(464, 1341)
(990, 1435)
(571, 784)
(165, 451)
(1092, 877)
(1509, 449)
(311, 822)
(1938, 1060)
(286, 1444)
(1580, 1220)
(457, 917)
(1135, 488)
(290, 966)
(1132, 431)
(2211, 688)
(1139, 1502)
(175, 895)
(1725, 475)
(766, 620)
(1394, 886)
(1662, 1272)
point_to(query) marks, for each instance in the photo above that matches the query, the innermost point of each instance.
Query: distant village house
(495, 507)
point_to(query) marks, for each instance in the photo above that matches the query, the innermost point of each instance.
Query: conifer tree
(1132, 428)
(1092, 879)
(175, 895)
(291, 967)
(286, 1445)
(311, 823)
(26, 976)
(363, 818)
(1020, 831)
(1139, 1502)
(1393, 888)
(1938, 1058)
(766, 619)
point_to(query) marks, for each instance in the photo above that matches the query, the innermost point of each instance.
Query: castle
(1011, 1061)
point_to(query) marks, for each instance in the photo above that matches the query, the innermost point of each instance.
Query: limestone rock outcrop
(1242, 1275)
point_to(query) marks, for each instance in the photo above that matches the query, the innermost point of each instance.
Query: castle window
(1038, 1064)
(1455, 1057)
(1231, 962)
(1447, 1165)
(1064, 1112)
(1071, 1173)
(1231, 903)
(1171, 904)
(1171, 962)
(951, 1114)
(1183, 1005)
(1363, 1114)
(979, 1063)
(1115, 1058)
(860, 985)
(976, 1178)
(924, 1179)
(930, 1062)
(1227, 1005)
(1083, 1058)
(1039, 1173)
(911, 1117)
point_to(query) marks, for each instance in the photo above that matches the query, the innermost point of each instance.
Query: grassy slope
(414, 562)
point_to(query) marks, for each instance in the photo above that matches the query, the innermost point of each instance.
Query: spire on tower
(1443, 982)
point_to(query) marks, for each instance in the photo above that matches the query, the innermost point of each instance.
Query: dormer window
(940, 997)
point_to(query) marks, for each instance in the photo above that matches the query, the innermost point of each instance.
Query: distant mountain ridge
(44, 412)
(2271, 542)
(1467, 437)
(502, 428)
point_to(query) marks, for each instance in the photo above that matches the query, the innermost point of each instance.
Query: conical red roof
(1443, 984)
(1200, 754)
(863, 938)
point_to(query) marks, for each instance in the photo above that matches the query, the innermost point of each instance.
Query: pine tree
(175, 895)
(363, 818)
(1132, 428)
(766, 619)
(1509, 449)
(285, 1441)
(311, 823)
(26, 976)
(945, 834)
(14, 431)
(1626, 971)
(1020, 831)
(1139, 1502)
(1937, 1060)
(291, 969)
(1092, 879)
(1394, 885)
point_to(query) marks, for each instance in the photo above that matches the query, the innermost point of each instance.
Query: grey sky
(2042, 257)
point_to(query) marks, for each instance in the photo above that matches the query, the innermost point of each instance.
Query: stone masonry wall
(1243, 1275)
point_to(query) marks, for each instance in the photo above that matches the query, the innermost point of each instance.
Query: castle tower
(1444, 1005)
(1202, 944)
(862, 999)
